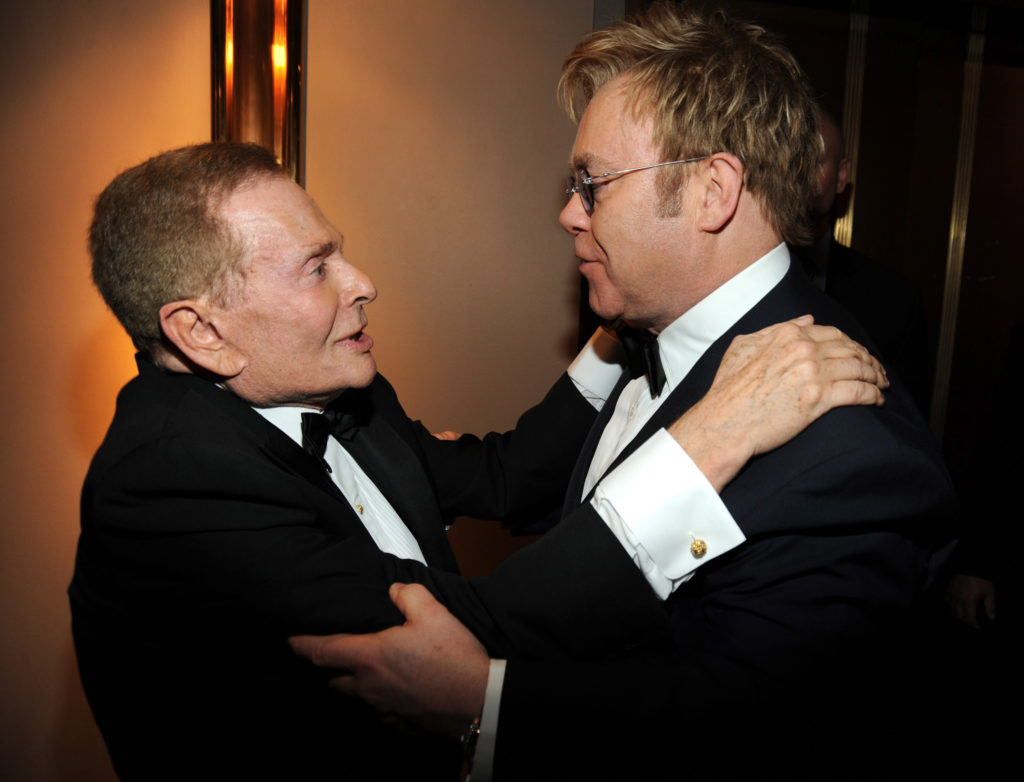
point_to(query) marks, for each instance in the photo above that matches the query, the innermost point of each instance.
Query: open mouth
(359, 340)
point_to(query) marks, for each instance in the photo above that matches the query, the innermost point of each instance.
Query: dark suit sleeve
(206, 536)
(516, 476)
(574, 594)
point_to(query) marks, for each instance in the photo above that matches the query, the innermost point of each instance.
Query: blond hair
(711, 83)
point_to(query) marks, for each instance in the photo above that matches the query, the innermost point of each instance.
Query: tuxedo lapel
(272, 442)
(384, 456)
(388, 461)
(393, 466)
(578, 479)
(684, 396)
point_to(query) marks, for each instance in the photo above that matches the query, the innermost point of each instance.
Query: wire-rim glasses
(583, 183)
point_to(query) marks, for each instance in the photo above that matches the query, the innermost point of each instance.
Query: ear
(842, 175)
(189, 324)
(721, 182)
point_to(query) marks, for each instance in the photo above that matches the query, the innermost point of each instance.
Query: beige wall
(442, 163)
(88, 89)
(436, 146)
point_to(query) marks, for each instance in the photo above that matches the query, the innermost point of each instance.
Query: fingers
(851, 369)
(830, 341)
(447, 434)
(800, 322)
(345, 684)
(970, 598)
(841, 358)
(342, 651)
(967, 613)
(990, 604)
(413, 600)
(844, 393)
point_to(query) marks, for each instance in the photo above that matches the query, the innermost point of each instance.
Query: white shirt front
(657, 502)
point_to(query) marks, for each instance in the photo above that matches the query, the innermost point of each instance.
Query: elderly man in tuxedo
(695, 155)
(260, 480)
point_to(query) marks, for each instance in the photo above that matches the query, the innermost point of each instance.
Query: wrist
(718, 452)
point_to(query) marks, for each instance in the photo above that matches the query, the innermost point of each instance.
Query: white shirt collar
(288, 419)
(686, 339)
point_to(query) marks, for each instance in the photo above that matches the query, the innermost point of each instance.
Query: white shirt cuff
(483, 760)
(598, 367)
(665, 513)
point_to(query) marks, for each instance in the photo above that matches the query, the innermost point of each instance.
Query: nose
(573, 217)
(356, 287)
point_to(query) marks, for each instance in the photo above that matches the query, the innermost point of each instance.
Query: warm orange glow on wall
(279, 60)
(229, 50)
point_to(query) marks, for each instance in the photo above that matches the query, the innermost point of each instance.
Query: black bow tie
(317, 427)
(642, 356)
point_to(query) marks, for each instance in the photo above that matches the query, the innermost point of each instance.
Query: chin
(603, 310)
(364, 378)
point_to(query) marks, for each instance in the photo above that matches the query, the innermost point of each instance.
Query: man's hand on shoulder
(770, 386)
(430, 670)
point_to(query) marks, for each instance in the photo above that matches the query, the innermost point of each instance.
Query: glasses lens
(585, 189)
(577, 183)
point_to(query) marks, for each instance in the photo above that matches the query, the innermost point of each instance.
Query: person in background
(886, 303)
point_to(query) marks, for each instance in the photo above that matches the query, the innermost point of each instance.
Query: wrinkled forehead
(274, 219)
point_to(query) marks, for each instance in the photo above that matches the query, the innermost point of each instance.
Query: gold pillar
(258, 64)
(852, 100)
(958, 220)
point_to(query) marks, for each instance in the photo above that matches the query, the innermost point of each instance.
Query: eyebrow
(590, 163)
(325, 249)
(582, 161)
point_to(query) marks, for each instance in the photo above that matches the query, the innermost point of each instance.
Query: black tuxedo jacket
(209, 537)
(787, 645)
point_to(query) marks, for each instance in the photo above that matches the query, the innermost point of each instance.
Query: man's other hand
(447, 434)
(430, 670)
(769, 387)
(971, 599)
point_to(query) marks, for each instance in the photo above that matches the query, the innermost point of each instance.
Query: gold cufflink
(698, 548)
(360, 509)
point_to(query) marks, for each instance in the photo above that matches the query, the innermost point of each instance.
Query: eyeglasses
(583, 183)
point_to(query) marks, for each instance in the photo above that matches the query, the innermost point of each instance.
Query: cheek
(604, 297)
(313, 317)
